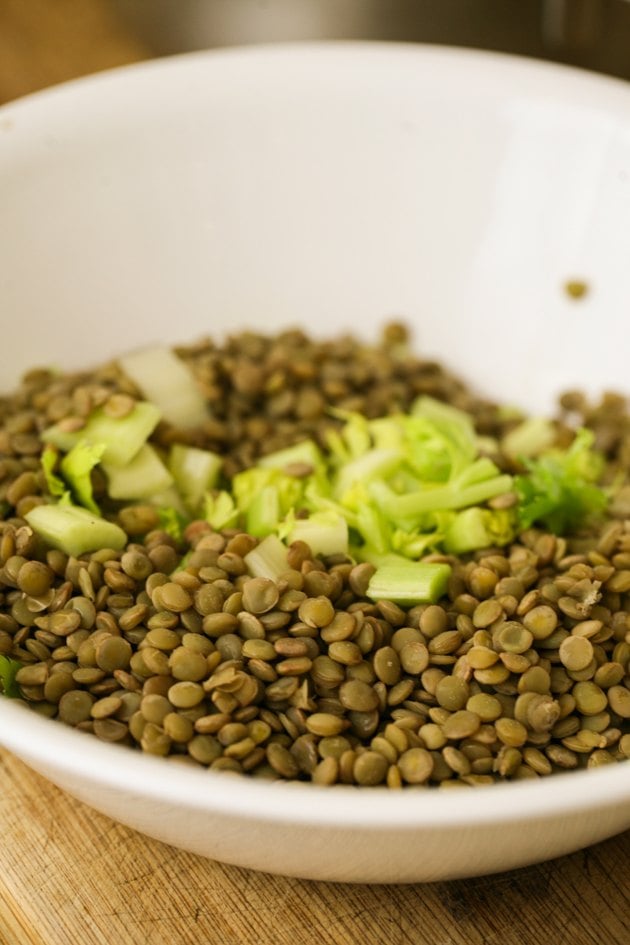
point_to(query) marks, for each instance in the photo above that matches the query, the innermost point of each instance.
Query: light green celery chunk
(169, 499)
(326, 533)
(373, 464)
(195, 472)
(305, 452)
(268, 559)
(55, 484)
(167, 381)
(121, 436)
(74, 530)
(142, 477)
(477, 528)
(220, 510)
(263, 514)
(410, 583)
(76, 468)
(529, 438)
(448, 496)
(247, 487)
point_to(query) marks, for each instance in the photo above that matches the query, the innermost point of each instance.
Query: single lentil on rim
(521, 670)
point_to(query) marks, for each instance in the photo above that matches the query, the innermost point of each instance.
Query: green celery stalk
(195, 472)
(74, 530)
(530, 438)
(409, 584)
(268, 559)
(406, 507)
(142, 477)
(121, 436)
(375, 464)
(263, 513)
(304, 452)
(326, 533)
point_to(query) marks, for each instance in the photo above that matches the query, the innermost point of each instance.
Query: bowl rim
(57, 748)
(40, 741)
(547, 78)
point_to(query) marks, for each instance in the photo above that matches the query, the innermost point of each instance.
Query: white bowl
(333, 186)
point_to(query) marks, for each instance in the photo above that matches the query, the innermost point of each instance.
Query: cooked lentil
(520, 671)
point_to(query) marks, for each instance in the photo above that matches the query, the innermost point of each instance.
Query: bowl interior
(330, 186)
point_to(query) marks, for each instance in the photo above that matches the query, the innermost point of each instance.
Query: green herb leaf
(8, 671)
(172, 522)
(559, 490)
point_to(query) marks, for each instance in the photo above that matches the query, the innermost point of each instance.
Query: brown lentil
(521, 670)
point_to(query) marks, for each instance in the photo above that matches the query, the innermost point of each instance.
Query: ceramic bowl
(329, 186)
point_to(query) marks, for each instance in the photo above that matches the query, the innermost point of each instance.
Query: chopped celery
(76, 468)
(409, 584)
(479, 528)
(74, 530)
(305, 452)
(268, 559)
(247, 486)
(169, 499)
(220, 510)
(8, 671)
(263, 514)
(195, 472)
(54, 483)
(166, 381)
(372, 465)
(415, 504)
(326, 533)
(172, 522)
(457, 423)
(121, 436)
(530, 438)
(142, 477)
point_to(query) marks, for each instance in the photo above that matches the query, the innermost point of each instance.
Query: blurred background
(47, 41)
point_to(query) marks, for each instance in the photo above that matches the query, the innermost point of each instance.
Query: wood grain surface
(69, 875)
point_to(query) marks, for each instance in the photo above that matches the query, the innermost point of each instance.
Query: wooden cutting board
(69, 875)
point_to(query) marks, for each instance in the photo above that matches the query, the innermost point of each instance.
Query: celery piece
(305, 452)
(195, 471)
(445, 416)
(142, 477)
(409, 584)
(268, 559)
(220, 510)
(74, 530)
(121, 436)
(263, 513)
(375, 464)
(377, 558)
(166, 381)
(477, 528)
(8, 671)
(172, 522)
(249, 484)
(530, 438)
(169, 499)
(326, 533)
(447, 496)
(76, 468)
(54, 483)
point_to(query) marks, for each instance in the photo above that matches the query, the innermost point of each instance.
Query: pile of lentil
(520, 671)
